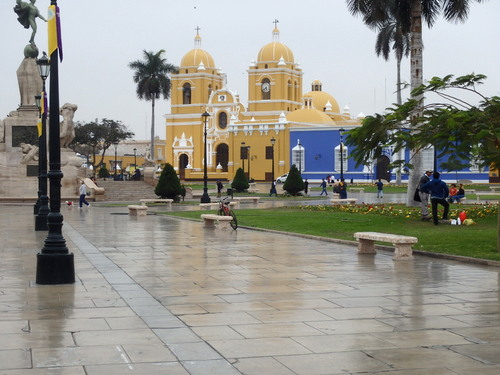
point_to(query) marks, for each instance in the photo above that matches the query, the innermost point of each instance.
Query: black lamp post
(43, 208)
(300, 156)
(341, 131)
(55, 264)
(273, 185)
(205, 198)
(135, 158)
(116, 148)
(243, 155)
(249, 159)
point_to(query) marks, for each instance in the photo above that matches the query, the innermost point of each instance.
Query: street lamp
(116, 148)
(205, 198)
(135, 158)
(341, 131)
(249, 159)
(42, 210)
(273, 186)
(243, 156)
(300, 156)
(55, 264)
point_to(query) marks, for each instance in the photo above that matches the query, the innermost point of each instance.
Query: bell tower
(274, 80)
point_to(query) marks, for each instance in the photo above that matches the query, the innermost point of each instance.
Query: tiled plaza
(159, 295)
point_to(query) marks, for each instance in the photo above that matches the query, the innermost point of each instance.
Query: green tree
(151, 76)
(458, 129)
(410, 13)
(94, 137)
(169, 185)
(240, 181)
(103, 172)
(294, 183)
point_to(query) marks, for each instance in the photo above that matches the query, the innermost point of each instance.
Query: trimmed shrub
(294, 183)
(169, 186)
(103, 172)
(240, 181)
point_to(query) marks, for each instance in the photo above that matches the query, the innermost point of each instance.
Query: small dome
(274, 51)
(197, 56)
(310, 116)
(320, 99)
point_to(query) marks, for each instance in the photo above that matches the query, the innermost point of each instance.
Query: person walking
(306, 186)
(438, 191)
(83, 195)
(424, 197)
(380, 188)
(219, 188)
(323, 187)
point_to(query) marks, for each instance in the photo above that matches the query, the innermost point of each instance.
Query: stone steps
(128, 191)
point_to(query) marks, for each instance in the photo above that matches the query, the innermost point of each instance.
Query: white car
(282, 178)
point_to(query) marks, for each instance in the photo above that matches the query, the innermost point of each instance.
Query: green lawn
(478, 241)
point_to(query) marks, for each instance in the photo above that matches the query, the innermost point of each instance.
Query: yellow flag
(52, 27)
(39, 127)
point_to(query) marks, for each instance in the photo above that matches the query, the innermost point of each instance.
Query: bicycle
(225, 210)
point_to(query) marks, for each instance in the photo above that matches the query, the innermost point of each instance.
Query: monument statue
(27, 14)
(30, 153)
(67, 126)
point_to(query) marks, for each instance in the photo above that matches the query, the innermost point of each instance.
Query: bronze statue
(27, 14)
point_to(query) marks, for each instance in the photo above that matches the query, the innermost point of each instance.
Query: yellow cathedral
(238, 136)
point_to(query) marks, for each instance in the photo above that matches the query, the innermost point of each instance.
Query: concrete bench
(136, 210)
(402, 244)
(495, 188)
(214, 205)
(358, 189)
(336, 201)
(470, 191)
(489, 196)
(144, 202)
(223, 222)
(247, 199)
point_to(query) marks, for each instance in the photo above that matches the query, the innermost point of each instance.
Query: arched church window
(222, 120)
(186, 93)
(266, 89)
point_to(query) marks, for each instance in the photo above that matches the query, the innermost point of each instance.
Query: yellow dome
(320, 99)
(197, 56)
(274, 51)
(310, 116)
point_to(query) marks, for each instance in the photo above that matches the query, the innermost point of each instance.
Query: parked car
(282, 178)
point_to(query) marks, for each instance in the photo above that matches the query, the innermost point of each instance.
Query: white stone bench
(214, 205)
(496, 196)
(336, 201)
(136, 210)
(470, 191)
(247, 199)
(402, 244)
(223, 222)
(358, 189)
(144, 202)
(495, 188)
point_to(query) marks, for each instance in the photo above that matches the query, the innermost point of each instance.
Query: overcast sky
(100, 38)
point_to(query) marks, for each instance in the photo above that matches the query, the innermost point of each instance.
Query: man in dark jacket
(438, 190)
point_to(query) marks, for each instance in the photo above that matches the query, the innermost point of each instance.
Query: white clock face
(266, 87)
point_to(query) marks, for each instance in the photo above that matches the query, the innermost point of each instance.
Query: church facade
(281, 124)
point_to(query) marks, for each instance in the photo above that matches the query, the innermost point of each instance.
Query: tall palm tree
(410, 13)
(151, 76)
(391, 37)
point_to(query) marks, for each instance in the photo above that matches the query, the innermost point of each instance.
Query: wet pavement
(160, 295)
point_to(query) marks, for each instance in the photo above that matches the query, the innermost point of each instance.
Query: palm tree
(409, 13)
(151, 76)
(391, 37)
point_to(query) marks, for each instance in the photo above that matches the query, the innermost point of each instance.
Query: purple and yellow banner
(54, 27)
